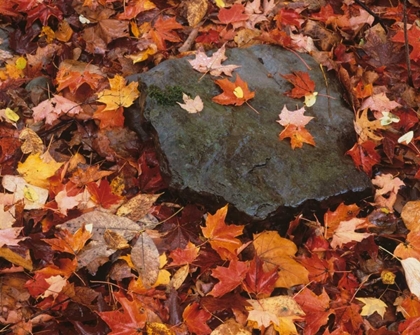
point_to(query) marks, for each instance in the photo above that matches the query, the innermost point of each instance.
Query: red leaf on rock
(233, 14)
(364, 156)
(233, 93)
(297, 135)
(303, 84)
(109, 118)
(229, 278)
(196, 319)
(260, 282)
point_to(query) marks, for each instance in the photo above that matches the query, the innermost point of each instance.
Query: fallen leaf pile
(91, 242)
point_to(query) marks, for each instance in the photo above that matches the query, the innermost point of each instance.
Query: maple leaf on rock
(295, 123)
(222, 237)
(191, 105)
(120, 94)
(51, 109)
(304, 87)
(229, 278)
(234, 93)
(203, 63)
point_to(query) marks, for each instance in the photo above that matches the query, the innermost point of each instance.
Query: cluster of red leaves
(65, 154)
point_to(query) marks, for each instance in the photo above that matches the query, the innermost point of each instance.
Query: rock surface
(231, 154)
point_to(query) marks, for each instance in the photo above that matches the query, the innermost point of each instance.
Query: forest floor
(90, 243)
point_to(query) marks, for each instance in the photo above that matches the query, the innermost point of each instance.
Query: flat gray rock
(229, 154)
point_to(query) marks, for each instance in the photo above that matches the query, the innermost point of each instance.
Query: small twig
(406, 46)
(191, 38)
(252, 107)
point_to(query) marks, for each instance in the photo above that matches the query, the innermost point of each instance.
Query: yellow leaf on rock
(120, 94)
(36, 171)
(278, 252)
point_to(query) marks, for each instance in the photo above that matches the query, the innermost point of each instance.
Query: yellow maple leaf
(372, 305)
(120, 94)
(36, 171)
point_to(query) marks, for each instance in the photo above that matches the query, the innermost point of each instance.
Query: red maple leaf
(184, 256)
(109, 118)
(288, 17)
(413, 39)
(233, 14)
(316, 308)
(196, 319)
(135, 7)
(229, 278)
(303, 84)
(102, 194)
(42, 11)
(128, 321)
(233, 93)
(162, 31)
(260, 282)
(364, 156)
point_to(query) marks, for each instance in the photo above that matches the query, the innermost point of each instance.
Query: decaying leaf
(386, 193)
(97, 251)
(34, 197)
(32, 142)
(365, 128)
(145, 258)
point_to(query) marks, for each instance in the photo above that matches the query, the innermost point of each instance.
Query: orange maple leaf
(135, 7)
(295, 123)
(221, 236)
(162, 31)
(68, 242)
(236, 93)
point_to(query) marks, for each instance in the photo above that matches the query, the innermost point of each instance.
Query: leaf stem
(252, 107)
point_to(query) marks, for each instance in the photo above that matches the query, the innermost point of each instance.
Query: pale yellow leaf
(372, 305)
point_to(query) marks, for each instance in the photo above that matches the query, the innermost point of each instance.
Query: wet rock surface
(232, 154)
